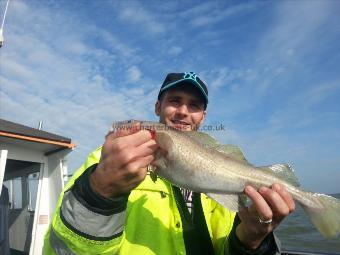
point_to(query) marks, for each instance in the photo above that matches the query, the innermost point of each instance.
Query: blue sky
(272, 68)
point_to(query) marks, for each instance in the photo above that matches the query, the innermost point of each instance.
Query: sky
(272, 69)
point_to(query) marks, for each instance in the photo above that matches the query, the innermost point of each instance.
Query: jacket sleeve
(85, 222)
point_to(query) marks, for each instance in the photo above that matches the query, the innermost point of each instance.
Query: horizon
(272, 71)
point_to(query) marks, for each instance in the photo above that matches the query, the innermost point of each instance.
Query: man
(4, 211)
(111, 205)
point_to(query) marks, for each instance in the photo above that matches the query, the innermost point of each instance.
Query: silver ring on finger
(265, 221)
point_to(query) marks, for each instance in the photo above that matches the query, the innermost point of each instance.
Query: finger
(142, 173)
(124, 130)
(129, 141)
(277, 204)
(143, 150)
(260, 203)
(137, 138)
(285, 195)
(146, 149)
(138, 168)
(144, 161)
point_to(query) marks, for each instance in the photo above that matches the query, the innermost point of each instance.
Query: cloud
(114, 43)
(135, 14)
(216, 15)
(274, 84)
(133, 74)
(282, 109)
(298, 33)
(227, 77)
(61, 84)
(175, 50)
(198, 9)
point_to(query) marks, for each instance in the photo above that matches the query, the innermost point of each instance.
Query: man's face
(181, 107)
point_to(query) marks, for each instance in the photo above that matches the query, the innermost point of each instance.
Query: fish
(198, 162)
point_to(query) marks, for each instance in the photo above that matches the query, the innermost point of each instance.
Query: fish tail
(324, 212)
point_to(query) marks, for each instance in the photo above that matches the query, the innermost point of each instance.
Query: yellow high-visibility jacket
(151, 223)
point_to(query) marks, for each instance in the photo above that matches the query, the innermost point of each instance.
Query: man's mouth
(181, 125)
(180, 122)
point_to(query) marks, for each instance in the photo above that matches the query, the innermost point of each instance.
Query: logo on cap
(190, 75)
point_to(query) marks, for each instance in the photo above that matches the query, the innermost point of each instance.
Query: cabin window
(33, 182)
(14, 187)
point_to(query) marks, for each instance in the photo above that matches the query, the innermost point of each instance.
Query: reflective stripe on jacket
(151, 223)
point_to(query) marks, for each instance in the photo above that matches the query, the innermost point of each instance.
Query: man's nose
(183, 109)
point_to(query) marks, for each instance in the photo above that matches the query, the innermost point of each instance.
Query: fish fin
(325, 216)
(234, 202)
(210, 142)
(232, 151)
(283, 171)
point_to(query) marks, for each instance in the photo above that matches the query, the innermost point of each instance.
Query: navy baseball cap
(173, 79)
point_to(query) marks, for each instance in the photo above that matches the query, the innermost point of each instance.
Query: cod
(195, 161)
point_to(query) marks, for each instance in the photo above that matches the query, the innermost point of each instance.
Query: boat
(33, 171)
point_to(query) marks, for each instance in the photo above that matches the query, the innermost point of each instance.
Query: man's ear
(158, 108)
(203, 117)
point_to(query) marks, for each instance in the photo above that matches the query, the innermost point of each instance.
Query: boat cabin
(32, 174)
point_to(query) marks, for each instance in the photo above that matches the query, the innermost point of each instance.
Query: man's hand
(269, 204)
(125, 156)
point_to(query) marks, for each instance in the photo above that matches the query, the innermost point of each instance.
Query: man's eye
(195, 106)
